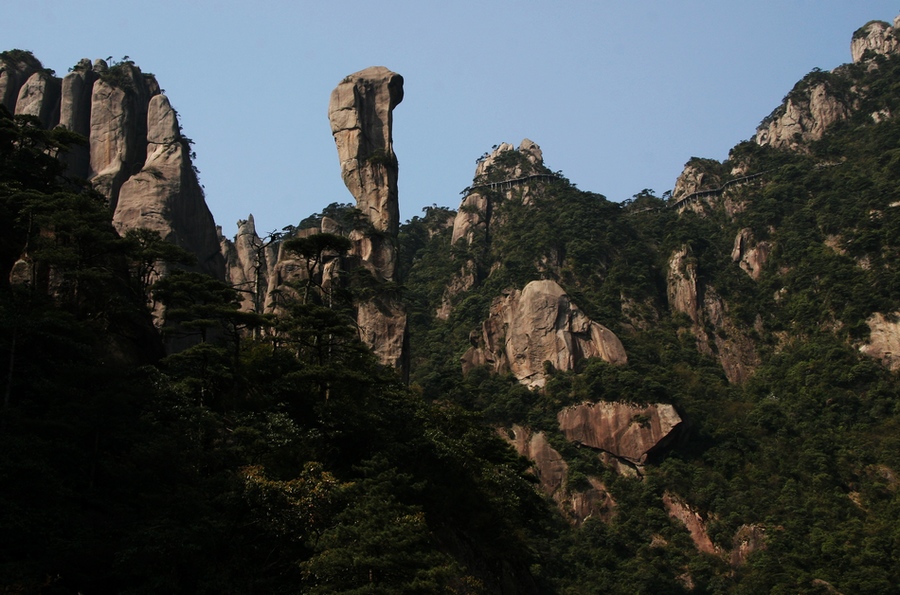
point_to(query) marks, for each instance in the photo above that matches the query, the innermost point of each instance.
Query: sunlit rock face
(135, 156)
(535, 325)
(874, 38)
(884, 339)
(803, 118)
(165, 196)
(360, 113)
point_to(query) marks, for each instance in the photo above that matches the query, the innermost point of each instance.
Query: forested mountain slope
(759, 299)
(693, 393)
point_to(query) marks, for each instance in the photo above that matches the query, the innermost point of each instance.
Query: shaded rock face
(552, 473)
(248, 263)
(75, 113)
(747, 540)
(535, 325)
(884, 340)
(729, 344)
(360, 112)
(628, 432)
(749, 254)
(875, 38)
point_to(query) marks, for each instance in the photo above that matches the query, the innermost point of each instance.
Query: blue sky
(618, 94)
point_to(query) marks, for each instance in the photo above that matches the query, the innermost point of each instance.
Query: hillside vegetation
(274, 454)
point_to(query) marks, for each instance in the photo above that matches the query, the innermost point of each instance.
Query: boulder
(540, 324)
(628, 431)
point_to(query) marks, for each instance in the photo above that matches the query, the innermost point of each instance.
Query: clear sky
(618, 94)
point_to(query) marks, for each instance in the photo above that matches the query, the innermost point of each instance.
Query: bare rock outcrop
(552, 472)
(118, 131)
(75, 113)
(248, 262)
(874, 38)
(884, 339)
(16, 67)
(165, 195)
(136, 155)
(804, 117)
(39, 97)
(360, 112)
(747, 540)
(535, 325)
(729, 343)
(693, 521)
(750, 255)
(695, 176)
(474, 214)
(627, 431)
(503, 174)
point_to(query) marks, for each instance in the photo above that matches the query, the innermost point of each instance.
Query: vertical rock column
(361, 122)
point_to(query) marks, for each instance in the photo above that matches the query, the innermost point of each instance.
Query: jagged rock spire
(360, 112)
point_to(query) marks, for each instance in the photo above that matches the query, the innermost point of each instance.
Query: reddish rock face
(692, 520)
(627, 431)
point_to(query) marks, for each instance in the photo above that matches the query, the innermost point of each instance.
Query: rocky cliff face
(816, 102)
(501, 175)
(750, 254)
(552, 471)
(804, 117)
(706, 309)
(360, 112)
(873, 39)
(535, 325)
(136, 155)
(628, 432)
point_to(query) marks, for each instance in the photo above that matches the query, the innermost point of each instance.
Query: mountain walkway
(507, 184)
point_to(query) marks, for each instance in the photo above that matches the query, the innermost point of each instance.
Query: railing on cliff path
(507, 184)
(698, 194)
